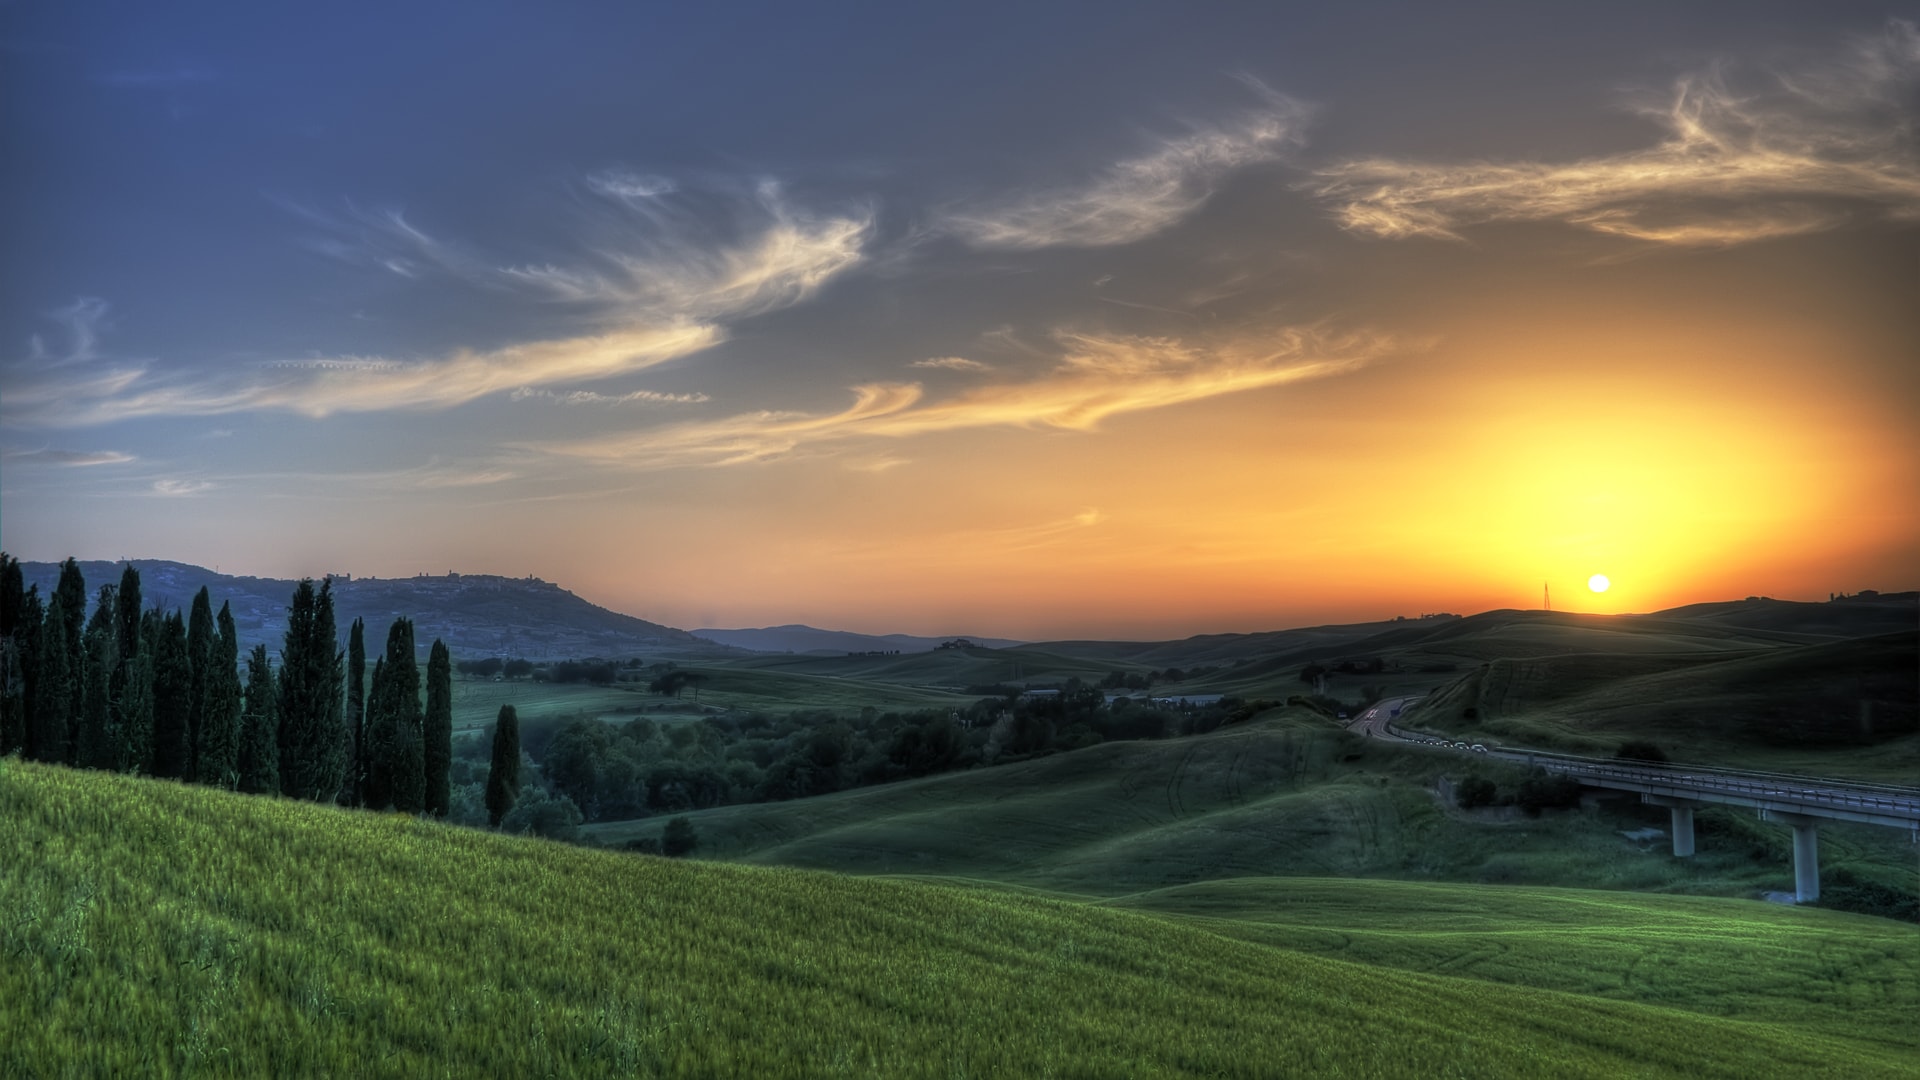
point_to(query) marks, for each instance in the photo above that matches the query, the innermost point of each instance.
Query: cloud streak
(65, 458)
(661, 300)
(1095, 377)
(1138, 197)
(1738, 164)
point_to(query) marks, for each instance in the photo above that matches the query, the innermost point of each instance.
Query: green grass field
(160, 930)
(1289, 795)
(1846, 708)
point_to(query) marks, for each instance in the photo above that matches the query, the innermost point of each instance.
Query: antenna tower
(1546, 595)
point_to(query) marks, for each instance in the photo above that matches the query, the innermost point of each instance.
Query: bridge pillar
(1681, 812)
(1806, 854)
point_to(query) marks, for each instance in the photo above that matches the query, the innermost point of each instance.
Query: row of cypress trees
(145, 691)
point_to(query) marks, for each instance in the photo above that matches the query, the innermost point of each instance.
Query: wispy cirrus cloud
(591, 397)
(65, 458)
(951, 363)
(1094, 377)
(668, 295)
(1743, 160)
(320, 387)
(1140, 196)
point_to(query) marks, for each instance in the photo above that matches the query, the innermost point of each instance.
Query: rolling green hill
(157, 929)
(1291, 795)
(1839, 708)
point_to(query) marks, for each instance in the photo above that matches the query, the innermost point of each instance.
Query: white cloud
(68, 458)
(1135, 198)
(1094, 377)
(951, 363)
(1774, 157)
(668, 295)
(620, 184)
(180, 488)
(590, 397)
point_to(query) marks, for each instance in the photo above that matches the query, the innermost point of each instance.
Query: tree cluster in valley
(582, 769)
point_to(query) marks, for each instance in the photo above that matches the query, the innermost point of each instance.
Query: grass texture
(148, 928)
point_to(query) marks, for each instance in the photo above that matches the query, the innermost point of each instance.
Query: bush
(540, 814)
(1641, 750)
(1547, 791)
(1843, 890)
(1475, 791)
(643, 845)
(678, 839)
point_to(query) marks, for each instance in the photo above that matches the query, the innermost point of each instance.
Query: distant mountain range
(477, 615)
(795, 638)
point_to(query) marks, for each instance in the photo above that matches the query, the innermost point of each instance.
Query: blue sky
(874, 315)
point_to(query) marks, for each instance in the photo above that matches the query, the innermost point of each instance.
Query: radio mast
(1546, 596)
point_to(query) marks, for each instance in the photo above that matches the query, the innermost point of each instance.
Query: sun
(1598, 583)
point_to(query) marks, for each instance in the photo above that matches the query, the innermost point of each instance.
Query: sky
(1067, 320)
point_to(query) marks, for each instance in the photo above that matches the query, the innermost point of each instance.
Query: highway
(1840, 800)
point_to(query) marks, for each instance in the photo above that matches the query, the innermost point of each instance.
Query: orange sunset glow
(1242, 348)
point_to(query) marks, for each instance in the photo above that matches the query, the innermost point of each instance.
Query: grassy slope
(1276, 797)
(1823, 971)
(158, 929)
(1791, 708)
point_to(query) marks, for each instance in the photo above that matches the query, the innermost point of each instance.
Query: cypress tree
(219, 762)
(72, 591)
(131, 689)
(377, 790)
(13, 685)
(259, 764)
(172, 700)
(407, 750)
(49, 736)
(26, 643)
(97, 737)
(134, 701)
(503, 777)
(439, 730)
(199, 667)
(357, 711)
(13, 593)
(313, 740)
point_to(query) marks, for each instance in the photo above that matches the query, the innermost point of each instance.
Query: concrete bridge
(1800, 802)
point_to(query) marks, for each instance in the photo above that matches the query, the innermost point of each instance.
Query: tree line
(141, 690)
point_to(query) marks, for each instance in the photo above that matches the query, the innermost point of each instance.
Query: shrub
(536, 812)
(1546, 791)
(677, 839)
(1475, 791)
(1641, 750)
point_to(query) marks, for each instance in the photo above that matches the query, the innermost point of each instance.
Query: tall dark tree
(131, 688)
(398, 700)
(259, 760)
(376, 788)
(49, 735)
(357, 712)
(134, 697)
(97, 738)
(219, 758)
(172, 700)
(13, 678)
(72, 591)
(313, 742)
(27, 637)
(503, 777)
(200, 667)
(438, 730)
